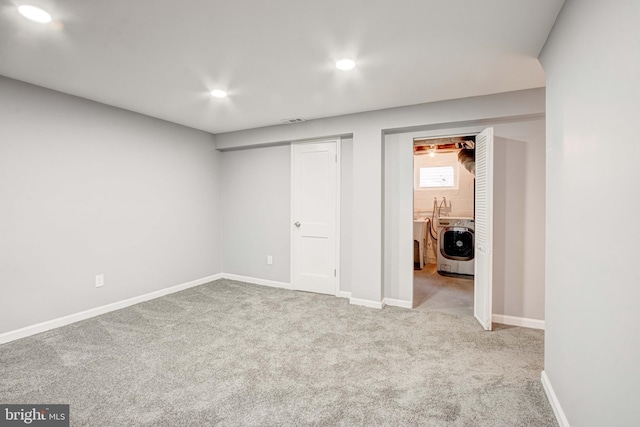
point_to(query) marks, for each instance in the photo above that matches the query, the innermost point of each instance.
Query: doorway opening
(444, 224)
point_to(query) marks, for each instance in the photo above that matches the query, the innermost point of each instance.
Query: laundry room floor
(432, 291)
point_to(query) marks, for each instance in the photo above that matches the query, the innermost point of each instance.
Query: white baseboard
(273, 283)
(343, 294)
(553, 401)
(256, 281)
(86, 314)
(397, 303)
(380, 304)
(366, 303)
(518, 321)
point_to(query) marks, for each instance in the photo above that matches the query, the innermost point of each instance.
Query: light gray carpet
(232, 354)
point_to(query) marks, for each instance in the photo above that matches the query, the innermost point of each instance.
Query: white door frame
(337, 213)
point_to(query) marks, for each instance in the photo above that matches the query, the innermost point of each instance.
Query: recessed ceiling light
(345, 64)
(217, 93)
(34, 14)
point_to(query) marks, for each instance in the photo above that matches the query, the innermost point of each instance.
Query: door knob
(297, 224)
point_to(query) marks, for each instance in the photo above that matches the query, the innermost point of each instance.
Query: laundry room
(443, 228)
(508, 227)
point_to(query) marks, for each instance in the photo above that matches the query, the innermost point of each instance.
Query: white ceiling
(275, 58)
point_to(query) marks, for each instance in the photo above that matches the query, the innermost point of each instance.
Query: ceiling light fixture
(345, 64)
(217, 93)
(34, 14)
(432, 151)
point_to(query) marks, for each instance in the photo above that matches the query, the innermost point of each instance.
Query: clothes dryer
(456, 246)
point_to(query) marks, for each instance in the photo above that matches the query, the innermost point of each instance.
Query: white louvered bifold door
(483, 229)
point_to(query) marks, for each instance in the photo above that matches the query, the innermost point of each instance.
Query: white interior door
(314, 216)
(483, 279)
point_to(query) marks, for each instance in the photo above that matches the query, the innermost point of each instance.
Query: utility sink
(420, 235)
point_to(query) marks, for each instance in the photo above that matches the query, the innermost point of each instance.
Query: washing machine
(456, 240)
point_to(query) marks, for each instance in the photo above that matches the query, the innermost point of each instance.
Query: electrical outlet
(269, 259)
(99, 280)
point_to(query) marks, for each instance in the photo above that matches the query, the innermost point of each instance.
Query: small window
(437, 177)
(436, 173)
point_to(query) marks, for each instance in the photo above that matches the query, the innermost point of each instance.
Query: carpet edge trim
(553, 400)
(96, 311)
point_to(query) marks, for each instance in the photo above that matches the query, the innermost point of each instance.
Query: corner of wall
(553, 400)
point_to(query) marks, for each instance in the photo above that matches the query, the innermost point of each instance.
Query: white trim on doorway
(380, 304)
(338, 210)
(366, 303)
(524, 322)
(344, 294)
(397, 303)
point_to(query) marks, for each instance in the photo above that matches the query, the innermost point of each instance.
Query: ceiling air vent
(290, 121)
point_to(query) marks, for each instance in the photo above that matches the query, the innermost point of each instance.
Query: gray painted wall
(592, 344)
(89, 189)
(398, 217)
(519, 225)
(256, 212)
(121, 177)
(367, 184)
(519, 206)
